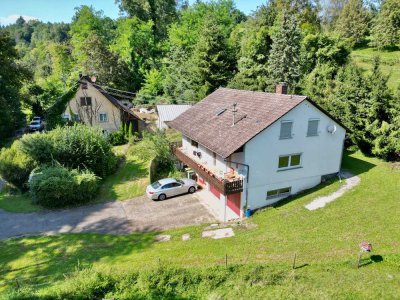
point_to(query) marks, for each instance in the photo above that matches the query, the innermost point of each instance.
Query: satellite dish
(331, 129)
(93, 78)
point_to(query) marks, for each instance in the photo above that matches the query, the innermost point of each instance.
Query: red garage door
(214, 191)
(233, 202)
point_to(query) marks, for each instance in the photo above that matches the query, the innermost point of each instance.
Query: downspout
(247, 178)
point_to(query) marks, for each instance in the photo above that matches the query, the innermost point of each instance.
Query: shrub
(75, 147)
(57, 186)
(117, 138)
(15, 166)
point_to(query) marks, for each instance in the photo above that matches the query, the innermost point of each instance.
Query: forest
(168, 51)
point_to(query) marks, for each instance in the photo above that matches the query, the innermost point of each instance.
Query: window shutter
(286, 130)
(312, 127)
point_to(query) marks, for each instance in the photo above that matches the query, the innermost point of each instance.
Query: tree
(161, 12)
(386, 32)
(12, 76)
(284, 60)
(255, 45)
(353, 22)
(331, 11)
(213, 60)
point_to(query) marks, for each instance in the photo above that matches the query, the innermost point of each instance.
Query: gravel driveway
(139, 214)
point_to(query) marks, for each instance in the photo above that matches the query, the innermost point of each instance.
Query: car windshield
(35, 123)
(155, 185)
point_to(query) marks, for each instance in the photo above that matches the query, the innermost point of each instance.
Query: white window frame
(289, 167)
(106, 119)
(308, 126)
(291, 130)
(279, 193)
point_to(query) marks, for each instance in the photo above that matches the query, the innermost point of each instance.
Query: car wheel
(192, 189)
(162, 197)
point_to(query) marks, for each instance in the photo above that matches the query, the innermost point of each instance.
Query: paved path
(139, 214)
(351, 181)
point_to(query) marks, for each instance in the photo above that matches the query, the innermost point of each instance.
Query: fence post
(294, 261)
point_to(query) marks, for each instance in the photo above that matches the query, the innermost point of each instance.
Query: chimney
(281, 88)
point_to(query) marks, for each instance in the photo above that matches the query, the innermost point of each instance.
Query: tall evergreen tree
(213, 59)
(386, 32)
(352, 23)
(284, 61)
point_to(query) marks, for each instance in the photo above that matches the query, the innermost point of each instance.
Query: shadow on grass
(129, 171)
(304, 193)
(355, 165)
(372, 259)
(48, 258)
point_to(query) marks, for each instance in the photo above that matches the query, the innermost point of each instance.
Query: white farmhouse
(251, 149)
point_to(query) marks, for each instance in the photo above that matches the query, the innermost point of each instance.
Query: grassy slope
(129, 181)
(327, 240)
(390, 63)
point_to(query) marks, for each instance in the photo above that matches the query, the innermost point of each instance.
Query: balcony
(228, 184)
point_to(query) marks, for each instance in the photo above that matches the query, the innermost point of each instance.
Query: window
(195, 144)
(312, 127)
(286, 130)
(103, 117)
(175, 184)
(76, 117)
(289, 161)
(167, 186)
(86, 101)
(278, 193)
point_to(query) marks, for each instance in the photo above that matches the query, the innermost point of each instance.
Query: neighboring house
(94, 106)
(169, 112)
(251, 149)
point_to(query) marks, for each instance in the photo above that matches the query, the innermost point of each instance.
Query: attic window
(86, 101)
(84, 85)
(286, 130)
(312, 127)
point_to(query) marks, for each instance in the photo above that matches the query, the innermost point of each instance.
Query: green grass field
(325, 241)
(390, 63)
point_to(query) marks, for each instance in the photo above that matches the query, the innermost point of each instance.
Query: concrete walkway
(139, 214)
(351, 181)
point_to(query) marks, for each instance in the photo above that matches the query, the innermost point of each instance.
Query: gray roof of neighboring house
(169, 112)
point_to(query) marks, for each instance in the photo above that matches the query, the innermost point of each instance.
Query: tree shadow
(48, 258)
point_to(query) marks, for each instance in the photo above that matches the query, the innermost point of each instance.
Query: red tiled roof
(255, 112)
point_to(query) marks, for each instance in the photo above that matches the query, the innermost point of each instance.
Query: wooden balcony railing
(224, 186)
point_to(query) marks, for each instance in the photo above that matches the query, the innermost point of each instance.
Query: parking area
(138, 214)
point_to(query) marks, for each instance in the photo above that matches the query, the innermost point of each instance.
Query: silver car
(169, 187)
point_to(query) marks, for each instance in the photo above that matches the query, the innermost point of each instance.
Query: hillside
(259, 256)
(390, 63)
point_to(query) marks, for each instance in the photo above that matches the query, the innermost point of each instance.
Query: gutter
(247, 178)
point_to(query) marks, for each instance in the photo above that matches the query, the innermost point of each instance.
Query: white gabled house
(251, 149)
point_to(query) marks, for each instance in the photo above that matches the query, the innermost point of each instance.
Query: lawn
(325, 241)
(390, 63)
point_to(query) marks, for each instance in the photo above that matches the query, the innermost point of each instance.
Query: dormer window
(312, 127)
(286, 130)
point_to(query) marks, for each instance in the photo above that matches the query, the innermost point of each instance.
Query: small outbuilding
(169, 112)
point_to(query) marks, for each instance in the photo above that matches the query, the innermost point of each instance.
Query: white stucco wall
(320, 155)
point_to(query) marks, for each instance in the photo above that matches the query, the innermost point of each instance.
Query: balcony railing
(224, 186)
